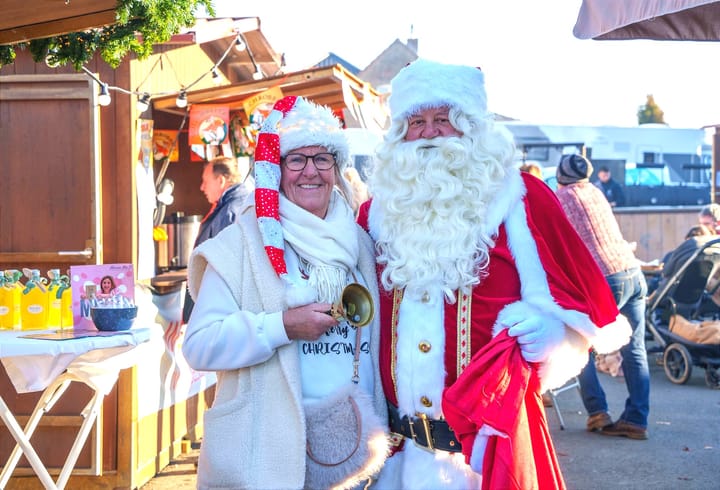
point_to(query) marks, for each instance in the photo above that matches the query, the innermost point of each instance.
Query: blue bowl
(113, 319)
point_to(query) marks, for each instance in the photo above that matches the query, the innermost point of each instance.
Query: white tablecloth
(32, 364)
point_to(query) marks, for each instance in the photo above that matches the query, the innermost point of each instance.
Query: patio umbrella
(668, 20)
(662, 20)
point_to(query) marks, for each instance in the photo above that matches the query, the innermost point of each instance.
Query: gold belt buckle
(426, 428)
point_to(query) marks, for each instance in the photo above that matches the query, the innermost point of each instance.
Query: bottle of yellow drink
(55, 292)
(34, 304)
(66, 312)
(10, 290)
(65, 293)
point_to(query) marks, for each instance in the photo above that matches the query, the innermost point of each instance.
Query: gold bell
(355, 306)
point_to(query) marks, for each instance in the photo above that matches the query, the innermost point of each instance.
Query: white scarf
(329, 246)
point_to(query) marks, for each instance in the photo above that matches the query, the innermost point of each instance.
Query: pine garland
(140, 25)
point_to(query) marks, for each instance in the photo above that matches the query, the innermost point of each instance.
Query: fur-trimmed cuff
(580, 336)
(566, 361)
(571, 355)
(612, 336)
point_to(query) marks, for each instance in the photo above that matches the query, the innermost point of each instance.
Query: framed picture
(97, 285)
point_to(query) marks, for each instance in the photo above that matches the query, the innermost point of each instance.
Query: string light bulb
(143, 102)
(239, 44)
(104, 95)
(181, 100)
(51, 59)
(258, 75)
(216, 77)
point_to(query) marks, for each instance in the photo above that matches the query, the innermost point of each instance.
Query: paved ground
(683, 452)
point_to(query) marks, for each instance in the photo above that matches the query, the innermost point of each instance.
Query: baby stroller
(689, 294)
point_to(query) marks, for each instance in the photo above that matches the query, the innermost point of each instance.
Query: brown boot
(598, 421)
(625, 429)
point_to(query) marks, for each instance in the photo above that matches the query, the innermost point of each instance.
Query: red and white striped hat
(293, 123)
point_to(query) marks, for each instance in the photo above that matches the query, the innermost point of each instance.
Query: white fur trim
(309, 124)
(571, 356)
(426, 84)
(512, 192)
(422, 374)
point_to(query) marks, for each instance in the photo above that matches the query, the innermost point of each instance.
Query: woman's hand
(308, 322)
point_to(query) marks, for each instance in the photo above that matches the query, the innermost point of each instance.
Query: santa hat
(425, 84)
(293, 123)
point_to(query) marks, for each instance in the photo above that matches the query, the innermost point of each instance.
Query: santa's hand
(537, 335)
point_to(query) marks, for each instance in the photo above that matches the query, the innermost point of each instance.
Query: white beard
(433, 198)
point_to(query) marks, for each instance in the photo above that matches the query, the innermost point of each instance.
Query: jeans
(630, 289)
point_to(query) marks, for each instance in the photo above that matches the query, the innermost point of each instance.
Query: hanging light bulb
(258, 75)
(51, 59)
(104, 95)
(143, 102)
(217, 80)
(239, 44)
(181, 100)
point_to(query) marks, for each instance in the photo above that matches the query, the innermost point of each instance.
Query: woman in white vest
(263, 288)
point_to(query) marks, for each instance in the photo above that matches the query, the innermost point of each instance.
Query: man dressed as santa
(490, 296)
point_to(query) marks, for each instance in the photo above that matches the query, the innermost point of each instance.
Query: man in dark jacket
(225, 191)
(612, 190)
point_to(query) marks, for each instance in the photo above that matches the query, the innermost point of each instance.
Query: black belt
(429, 434)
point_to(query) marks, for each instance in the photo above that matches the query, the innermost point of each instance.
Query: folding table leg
(23, 442)
(90, 413)
(51, 395)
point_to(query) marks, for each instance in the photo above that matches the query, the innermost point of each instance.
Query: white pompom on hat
(293, 123)
(425, 84)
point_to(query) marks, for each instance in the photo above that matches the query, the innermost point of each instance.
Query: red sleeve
(364, 215)
(576, 281)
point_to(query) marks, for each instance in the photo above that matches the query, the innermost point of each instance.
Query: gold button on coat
(424, 346)
(425, 401)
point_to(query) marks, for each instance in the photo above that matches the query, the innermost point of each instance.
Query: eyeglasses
(297, 161)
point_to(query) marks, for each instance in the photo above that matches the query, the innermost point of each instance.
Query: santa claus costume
(489, 296)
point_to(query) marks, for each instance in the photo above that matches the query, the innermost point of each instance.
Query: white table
(50, 366)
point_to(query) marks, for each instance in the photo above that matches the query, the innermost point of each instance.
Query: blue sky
(535, 69)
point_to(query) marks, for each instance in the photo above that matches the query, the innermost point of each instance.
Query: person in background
(263, 288)
(593, 218)
(709, 215)
(226, 191)
(532, 169)
(612, 191)
(360, 190)
(488, 295)
(696, 237)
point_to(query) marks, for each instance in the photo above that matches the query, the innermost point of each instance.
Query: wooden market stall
(75, 192)
(72, 195)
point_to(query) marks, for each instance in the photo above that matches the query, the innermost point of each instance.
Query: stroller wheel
(678, 363)
(712, 378)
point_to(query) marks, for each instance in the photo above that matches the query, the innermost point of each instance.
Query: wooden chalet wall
(149, 441)
(656, 230)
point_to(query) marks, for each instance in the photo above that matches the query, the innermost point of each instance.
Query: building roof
(388, 63)
(333, 59)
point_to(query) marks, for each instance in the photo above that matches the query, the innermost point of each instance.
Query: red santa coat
(538, 265)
